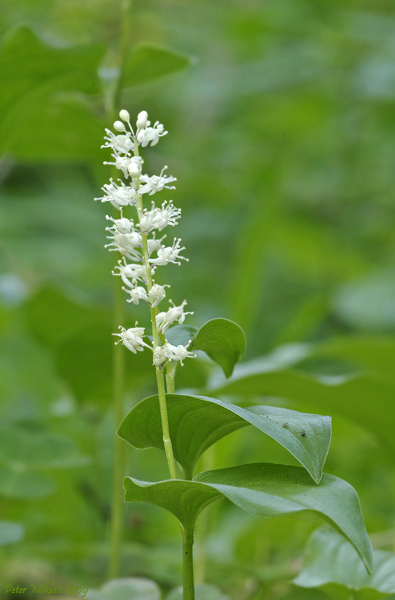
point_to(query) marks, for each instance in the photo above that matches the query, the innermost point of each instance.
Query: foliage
(283, 135)
(330, 561)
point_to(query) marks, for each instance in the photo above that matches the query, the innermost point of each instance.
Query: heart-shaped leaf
(127, 588)
(262, 489)
(148, 63)
(10, 532)
(223, 341)
(197, 422)
(332, 565)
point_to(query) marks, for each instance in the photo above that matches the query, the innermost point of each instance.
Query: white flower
(146, 222)
(178, 353)
(124, 115)
(142, 120)
(121, 225)
(154, 244)
(175, 313)
(119, 143)
(159, 218)
(162, 354)
(135, 166)
(160, 358)
(169, 254)
(156, 294)
(132, 338)
(136, 294)
(150, 134)
(167, 215)
(133, 272)
(118, 195)
(130, 237)
(119, 126)
(156, 183)
(126, 243)
(121, 162)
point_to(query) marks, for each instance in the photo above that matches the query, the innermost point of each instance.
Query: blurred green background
(281, 120)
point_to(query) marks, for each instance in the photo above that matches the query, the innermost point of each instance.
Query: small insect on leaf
(285, 424)
(303, 433)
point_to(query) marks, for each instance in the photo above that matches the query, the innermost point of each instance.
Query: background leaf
(127, 588)
(79, 141)
(10, 532)
(202, 592)
(363, 398)
(147, 63)
(23, 452)
(333, 565)
(25, 485)
(42, 70)
(53, 316)
(38, 450)
(223, 341)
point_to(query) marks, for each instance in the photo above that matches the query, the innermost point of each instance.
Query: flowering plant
(184, 426)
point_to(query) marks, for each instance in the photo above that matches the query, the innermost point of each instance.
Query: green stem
(160, 379)
(188, 585)
(171, 378)
(117, 492)
(118, 355)
(208, 463)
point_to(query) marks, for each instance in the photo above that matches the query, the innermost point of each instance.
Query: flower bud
(134, 169)
(119, 126)
(125, 116)
(142, 119)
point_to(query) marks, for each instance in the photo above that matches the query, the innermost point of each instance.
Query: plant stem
(118, 355)
(117, 493)
(201, 561)
(170, 378)
(188, 585)
(160, 379)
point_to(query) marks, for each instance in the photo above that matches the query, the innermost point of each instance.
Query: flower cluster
(135, 239)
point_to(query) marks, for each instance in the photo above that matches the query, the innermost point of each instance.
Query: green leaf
(21, 449)
(52, 316)
(127, 588)
(85, 361)
(148, 63)
(68, 130)
(262, 489)
(368, 303)
(181, 334)
(332, 565)
(373, 353)
(23, 452)
(299, 594)
(197, 422)
(223, 341)
(364, 398)
(31, 71)
(25, 485)
(10, 532)
(202, 592)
